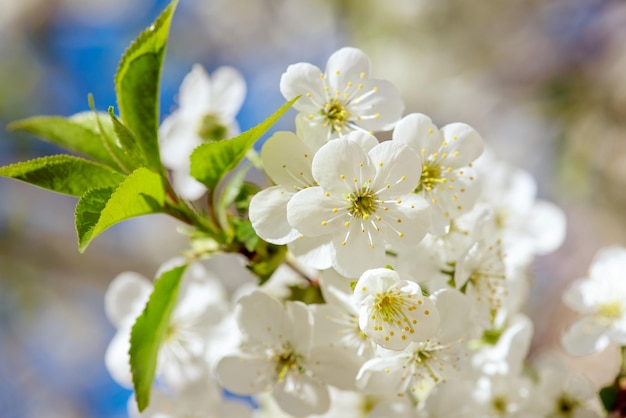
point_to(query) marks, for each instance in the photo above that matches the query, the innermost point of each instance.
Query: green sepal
(149, 332)
(141, 193)
(212, 160)
(78, 134)
(64, 174)
(137, 85)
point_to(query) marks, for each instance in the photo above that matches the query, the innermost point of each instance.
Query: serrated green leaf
(149, 331)
(128, 141)
(78, 134)
(212, 160)
(137, 85)
(64, 174)
(141, 193)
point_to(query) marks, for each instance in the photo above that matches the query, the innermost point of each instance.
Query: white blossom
(421, 364)
(275, 356)
(394, 312)
(601, 300)
(182, 359)
(342, 99)
(208, 106)
(448, 181)
(363, 202)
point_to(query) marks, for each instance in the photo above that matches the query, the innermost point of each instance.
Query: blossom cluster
(405, 279)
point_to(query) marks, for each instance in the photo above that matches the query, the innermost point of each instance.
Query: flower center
(389, 307)
(610, 310)
(500, 404)
(566, 405)
(431, 175)
(286, 362)
(363, 203)
(335, 114)
(211, 129)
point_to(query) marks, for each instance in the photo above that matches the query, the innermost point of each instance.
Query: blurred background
(544, 82)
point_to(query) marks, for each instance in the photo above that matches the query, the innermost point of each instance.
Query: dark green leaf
(211, 161)
(608, 396)
(78, 133)
(137, 85)
(150, 330)
(63, 174)
(141, 193)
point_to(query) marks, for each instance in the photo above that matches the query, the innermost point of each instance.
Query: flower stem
(622, 369)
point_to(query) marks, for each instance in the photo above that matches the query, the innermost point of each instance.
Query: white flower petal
(303, 80)
(336, 366)
(177, 139)
(262, 319)
(301, 395)
(346, 65)
(398, 169)
(547, 226)
(342, 166)
(117, 359)
(126, 297)
(383, 375)
(585, 337)
(454, 313)
(194, 95)
(464, 140)
(310, 211)
(228, 91)
(268, 215)
(186, 186)
(316, 252)
(246, 375)
(357, 250)
(386, 106)
(302, 324)
(419, 132)
(574, 297)
(287, 160)
(406, 223)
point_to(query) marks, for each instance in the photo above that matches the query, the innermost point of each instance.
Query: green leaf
(128, 141)
(608, 396)
(230, 191)
(141, 193)
(212, 160)
(137, 85)
(63, 174)
(78, 134)
(150, 330)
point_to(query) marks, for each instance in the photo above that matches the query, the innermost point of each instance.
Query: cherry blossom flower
(560, 392)
(421, 364)
(182, 356)
(448, 181)
(394, 312)
(363, 202)
(342, 99)
(601, 299)
(208, 106)
(275, 356)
